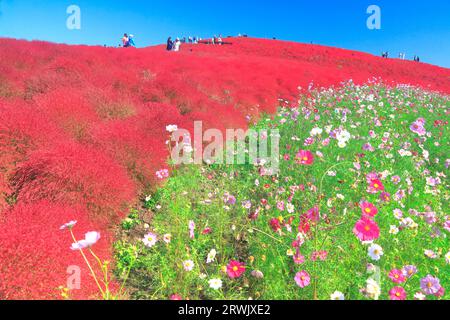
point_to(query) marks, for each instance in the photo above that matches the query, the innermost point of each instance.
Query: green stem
(89, 265)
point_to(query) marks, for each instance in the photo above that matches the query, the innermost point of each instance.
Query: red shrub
(74, 174)
(35, 254)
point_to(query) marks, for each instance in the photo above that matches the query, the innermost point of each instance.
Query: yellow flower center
(368, 210)
(235, 268)
(367, 228)
(376, 185)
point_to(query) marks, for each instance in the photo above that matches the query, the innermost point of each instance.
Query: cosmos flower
(90, 239)
(337, 295)
(376, 185)
(215, 284)
(313, 214)
(373, 289)
(419, 296)
(162, 174)
(397, 276)
(305, 158)
(368, 209)
(167, 238)
(418, 128)
(430, 285)
(150, 239)
(397, 293)
(188, 265)
(211, 256)
(409, 271)
(366, 230)
(191, 226)
(302, 279)
(171, 128)
(235, 269)
(68, 225)
(375, 252)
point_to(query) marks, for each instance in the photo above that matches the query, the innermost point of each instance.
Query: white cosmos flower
(419, 296)
(316, 132)
(393, 230)
(290, 208)
(373, 289)
(447, 257)
(342, 144)
(215, 284)
(68, 225)
(343, 136)
(211, 256)
(167, 238)
(90, 239)
(375, 252)
(188, 265)
(171, 128)
(337, 295)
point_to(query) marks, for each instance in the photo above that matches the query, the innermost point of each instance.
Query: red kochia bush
(35, 254)
(75, 174)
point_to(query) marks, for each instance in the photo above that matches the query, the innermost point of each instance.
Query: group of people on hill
(401, 56)
(128, 41)
(173, 45)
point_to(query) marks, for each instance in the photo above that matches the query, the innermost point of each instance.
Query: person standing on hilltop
(169, 44)
(131, 41)
(176, 46)
(125, 41)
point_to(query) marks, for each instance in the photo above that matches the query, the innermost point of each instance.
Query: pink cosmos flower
(162, 174)
(305, 158)
(313, 214)
(430, 285)
(366, 230)
(397, 293)
(376, 185)
(235, 269)
(299, 258)
(368, 209)
(302, 279)
(319, 255)
(191, 229)
(397, 276)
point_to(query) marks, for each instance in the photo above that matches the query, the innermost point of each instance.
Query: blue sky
(410, 26)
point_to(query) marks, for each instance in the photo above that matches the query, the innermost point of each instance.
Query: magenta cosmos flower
(235, 269)
(430, 285)
(368, 209)
(302, 279)
(366, 230)
(397, 276)
(305, 158)
(376, 185)
(397, 293)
